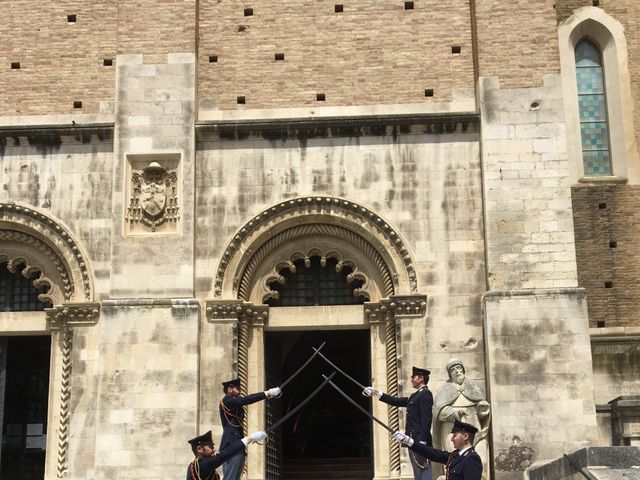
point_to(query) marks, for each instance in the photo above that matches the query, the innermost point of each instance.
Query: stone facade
(428, 147)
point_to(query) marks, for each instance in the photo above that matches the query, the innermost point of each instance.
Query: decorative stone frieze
(236, 310)
(62, 319)
(57, 252)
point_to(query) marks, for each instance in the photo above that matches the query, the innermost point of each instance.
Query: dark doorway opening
(328, 433)
(24, 389)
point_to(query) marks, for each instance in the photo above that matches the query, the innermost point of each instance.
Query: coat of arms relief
(153, 202)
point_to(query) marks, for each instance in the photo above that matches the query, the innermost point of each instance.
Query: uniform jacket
(232, 414)
(204, 468)
(467, 466)
(419, 413)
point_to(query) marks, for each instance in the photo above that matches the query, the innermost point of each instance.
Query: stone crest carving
(154, 197)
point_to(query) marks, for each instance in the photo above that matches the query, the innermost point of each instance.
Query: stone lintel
(395, 306)
(235, 310)
(56, 135)
(72, 315)
(536, 292)
(178, 305)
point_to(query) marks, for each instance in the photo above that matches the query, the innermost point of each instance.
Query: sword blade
(301, 404)
(354, 403)
(317, 351)
(339, 369)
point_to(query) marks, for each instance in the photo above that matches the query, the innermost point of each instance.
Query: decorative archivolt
(41, 244)
(324, 241)
(340, 222)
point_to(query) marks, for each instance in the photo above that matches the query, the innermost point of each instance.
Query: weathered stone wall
(607, 228)
(374, 52)
(135, 391)
(68, 175)
(616, 363)
(529, 226)
(427, 186)
(537, 343)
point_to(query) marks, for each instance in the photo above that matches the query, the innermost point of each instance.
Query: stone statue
(461, 398)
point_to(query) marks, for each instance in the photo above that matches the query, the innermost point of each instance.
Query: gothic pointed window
(17, 293)
(318, 281)
(592, 106)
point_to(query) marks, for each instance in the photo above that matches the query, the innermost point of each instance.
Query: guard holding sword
(418, 419)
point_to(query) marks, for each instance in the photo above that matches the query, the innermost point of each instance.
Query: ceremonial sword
(367, 413)
(302, 403)
(340, 370)
(317, 351)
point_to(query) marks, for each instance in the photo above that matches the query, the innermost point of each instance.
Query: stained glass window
(316, 285)
(594, 131)
(17, 294)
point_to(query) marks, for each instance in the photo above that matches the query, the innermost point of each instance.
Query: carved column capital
(72, 314)
(395, 306)
(238, 310)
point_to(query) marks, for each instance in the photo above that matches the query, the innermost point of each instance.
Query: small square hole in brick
(279, 56)
(595, 3)
(613, 244)
(15, 65)
(428, 92)
(456, 49)
(320, 97)
(107, 62)
(241, 100)
(77, 104)
(71, 18)
(408, 5)
(213, 59)
(608, 284)
(600, 324)
(248, 12)
(602, 205)
(339, 8)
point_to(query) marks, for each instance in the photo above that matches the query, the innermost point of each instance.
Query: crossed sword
(327, 380)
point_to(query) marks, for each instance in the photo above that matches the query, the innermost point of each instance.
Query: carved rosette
(62, 319)
(385, 312)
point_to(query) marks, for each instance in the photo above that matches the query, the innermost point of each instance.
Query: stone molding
(21, 225)
(236, 310)
(62, 319)
(329, 211)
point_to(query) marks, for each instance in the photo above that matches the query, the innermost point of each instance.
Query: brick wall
(602, 215)
(374, 52)
(517, 41)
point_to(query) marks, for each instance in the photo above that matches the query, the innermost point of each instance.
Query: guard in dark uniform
(418, 420)
(461, 464)
(204, 465)
(232, 413)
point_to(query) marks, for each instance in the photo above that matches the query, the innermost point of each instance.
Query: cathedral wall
(372, 52)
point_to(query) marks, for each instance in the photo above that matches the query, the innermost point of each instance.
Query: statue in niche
(461, 398)
(153, 196)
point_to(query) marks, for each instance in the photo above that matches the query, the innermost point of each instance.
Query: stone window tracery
(316, 281)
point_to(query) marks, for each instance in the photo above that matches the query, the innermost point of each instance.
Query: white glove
(368, 391)
(257, 436)
(403, 438)
(273, 392)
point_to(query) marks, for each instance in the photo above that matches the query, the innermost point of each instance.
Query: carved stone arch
(32, 238)
(324, 223)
